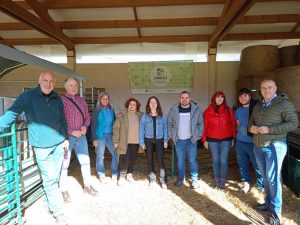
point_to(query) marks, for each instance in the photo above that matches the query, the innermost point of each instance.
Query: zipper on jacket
(259, 122)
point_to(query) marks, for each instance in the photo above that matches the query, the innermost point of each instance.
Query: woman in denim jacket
(154, 134)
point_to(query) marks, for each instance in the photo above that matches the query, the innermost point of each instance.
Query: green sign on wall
(160, 77)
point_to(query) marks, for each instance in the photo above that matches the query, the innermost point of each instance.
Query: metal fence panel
(20, 180)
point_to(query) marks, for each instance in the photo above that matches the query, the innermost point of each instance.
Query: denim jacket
(146, 128)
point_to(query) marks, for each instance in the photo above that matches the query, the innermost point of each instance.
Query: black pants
(127, 161)
(158, 144)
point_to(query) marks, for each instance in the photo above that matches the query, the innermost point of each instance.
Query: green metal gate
(20, 180)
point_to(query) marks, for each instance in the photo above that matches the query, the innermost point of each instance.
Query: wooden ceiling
(71, 22)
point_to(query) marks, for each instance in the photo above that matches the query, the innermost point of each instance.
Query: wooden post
(212, 72)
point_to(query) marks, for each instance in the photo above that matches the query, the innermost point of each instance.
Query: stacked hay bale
(288, 76)
(269, 62)
(257, 63)
(289, 56)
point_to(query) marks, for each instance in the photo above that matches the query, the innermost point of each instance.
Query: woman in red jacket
(218, 135)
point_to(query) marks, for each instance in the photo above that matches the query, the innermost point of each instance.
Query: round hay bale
(257, 59)
(253, 80)
(289, 56)
(244, 82)
(259, 77)
(288, 80)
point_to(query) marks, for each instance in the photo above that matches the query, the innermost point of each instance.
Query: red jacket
(219, 125)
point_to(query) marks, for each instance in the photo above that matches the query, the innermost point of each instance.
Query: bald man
(272, 118)
(47, 135)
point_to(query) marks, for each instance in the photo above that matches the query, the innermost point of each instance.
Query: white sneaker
(121, 181)
(129, 177)
(102, 180)
(246, 187)
(61, 220)
(114, 179)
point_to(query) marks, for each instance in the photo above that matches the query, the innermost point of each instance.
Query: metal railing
(20, 180)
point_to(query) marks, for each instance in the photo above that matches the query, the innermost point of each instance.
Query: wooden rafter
(236, 10)
(233, 13)
(12, 9)
(257, 19)
(156, 39)
(226, 7)
(295, 27)
(42, 12)
(136, 19)
(202, 21)
(261, 36)
(72, 4)
(110, 40)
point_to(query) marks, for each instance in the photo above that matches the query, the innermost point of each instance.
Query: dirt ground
(139, 204)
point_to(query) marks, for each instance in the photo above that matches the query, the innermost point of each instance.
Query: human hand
(95, 143)
(166, 145)
(232, 143)
(254, 130)
(116, 145)
(205, 144)
(76, 133)
(263, 130)
(83, 130)
(143, 146)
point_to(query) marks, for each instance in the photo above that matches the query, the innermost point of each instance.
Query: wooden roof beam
(295, 27)
(202, 21)
(226, 7)
(258, 19)
(110, 40)
(42, 13)
(156, 39)
(71, 4)
(136, 19)
(237, 9)
(261, 36)
(12, 9)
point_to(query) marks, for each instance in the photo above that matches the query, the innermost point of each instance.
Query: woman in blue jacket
(102, 126)
(154, 134)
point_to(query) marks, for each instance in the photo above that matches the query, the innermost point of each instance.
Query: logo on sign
(160, 76)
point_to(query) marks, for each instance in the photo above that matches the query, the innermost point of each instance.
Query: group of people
(58, 125)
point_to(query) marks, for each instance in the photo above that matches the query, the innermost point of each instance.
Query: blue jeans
(220, 151)
(269, 160)
(49, 161)
(81, 149)
(184, 147)
(107, 141)
(244, 155)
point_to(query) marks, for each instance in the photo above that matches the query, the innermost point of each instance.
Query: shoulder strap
(77, 106)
